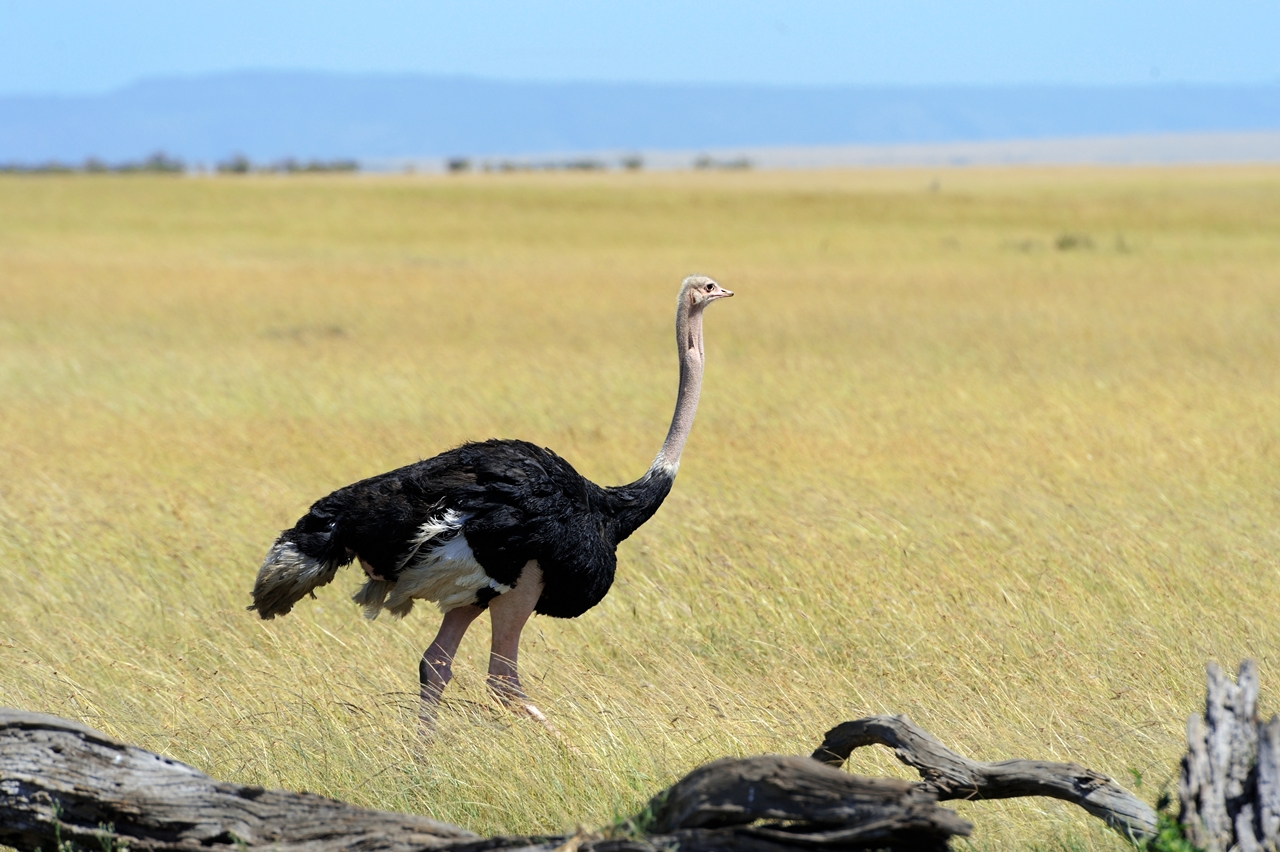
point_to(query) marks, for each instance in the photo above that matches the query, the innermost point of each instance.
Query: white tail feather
(286, 576)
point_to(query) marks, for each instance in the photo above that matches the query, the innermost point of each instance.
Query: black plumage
(521, 501)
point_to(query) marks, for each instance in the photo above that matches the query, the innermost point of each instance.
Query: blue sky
(71, 46)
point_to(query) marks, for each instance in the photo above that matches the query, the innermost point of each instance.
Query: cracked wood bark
(62, 780)
(787, 790)
(157, 803)
(1229, 785)
(951, 776)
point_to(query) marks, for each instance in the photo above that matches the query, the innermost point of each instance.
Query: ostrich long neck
(689, 346)
(632, 505)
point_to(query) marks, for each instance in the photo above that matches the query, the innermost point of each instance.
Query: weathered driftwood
(950, 776)
(62, 780)
(1229, 785)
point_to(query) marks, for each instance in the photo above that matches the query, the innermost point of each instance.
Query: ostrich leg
(436, 668)
(510, 612)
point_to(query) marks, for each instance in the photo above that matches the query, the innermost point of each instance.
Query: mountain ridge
(274, 114)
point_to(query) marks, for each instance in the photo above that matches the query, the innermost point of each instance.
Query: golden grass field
(942, 466)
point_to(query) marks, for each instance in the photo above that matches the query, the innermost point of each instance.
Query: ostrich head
(698, 291)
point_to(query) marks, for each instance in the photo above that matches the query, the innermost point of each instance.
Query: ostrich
(502, 525)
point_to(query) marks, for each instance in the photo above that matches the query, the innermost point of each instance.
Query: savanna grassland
(998, 449)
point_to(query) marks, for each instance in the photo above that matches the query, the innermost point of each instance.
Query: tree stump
(1229, 785)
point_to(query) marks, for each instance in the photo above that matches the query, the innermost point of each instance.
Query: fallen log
(61, 782)
(950, 776)
(819, 805)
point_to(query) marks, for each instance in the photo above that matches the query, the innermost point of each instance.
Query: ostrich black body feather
(517, 502)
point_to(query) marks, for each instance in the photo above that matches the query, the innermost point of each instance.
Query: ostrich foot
(506, 689)
(435, 675)
(428, 708)
(427, 728)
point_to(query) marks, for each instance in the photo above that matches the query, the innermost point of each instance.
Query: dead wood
(951, 776)
(1229, 785)
(61, 781)
(806, 801)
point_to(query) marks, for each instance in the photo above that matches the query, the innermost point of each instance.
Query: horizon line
(182, 76)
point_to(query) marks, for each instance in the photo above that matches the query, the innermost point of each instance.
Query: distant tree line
(240, 164)
(630, 162)
(162, 163)
(580, 164)
(158, 162)
(704, 162)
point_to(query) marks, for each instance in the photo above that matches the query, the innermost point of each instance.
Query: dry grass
(1001, 456)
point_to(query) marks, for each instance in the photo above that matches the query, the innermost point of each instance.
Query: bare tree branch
(951, 776)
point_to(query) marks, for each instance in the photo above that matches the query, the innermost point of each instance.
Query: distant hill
(269, 115)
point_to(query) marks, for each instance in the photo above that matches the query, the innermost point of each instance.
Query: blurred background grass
(993, 448)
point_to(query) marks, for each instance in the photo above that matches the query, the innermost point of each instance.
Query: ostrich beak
(719, 293)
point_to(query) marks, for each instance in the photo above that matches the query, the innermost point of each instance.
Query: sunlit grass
(942, 466)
